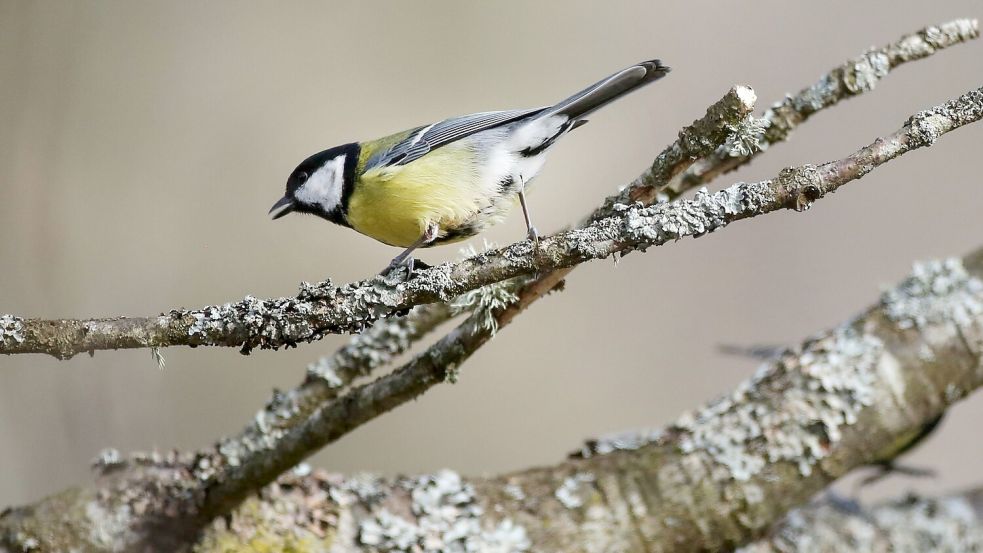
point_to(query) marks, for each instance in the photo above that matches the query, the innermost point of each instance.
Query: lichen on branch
(836, 402)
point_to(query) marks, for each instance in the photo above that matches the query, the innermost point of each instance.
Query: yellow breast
(395, 204)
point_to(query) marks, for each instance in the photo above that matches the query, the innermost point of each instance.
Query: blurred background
(141, 145)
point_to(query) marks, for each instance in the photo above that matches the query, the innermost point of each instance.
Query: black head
(321, 185)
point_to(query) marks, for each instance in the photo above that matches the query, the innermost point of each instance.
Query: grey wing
(431, 137)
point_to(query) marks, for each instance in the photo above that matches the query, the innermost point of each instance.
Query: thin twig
(850, 79)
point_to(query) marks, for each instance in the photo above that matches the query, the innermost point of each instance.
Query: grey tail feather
(608, 89)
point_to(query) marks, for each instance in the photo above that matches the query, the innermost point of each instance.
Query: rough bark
(294, 426)
(719, 477)
(852, 78)
(911, 524)
(324, 308)
(673, 175)
(610, 495)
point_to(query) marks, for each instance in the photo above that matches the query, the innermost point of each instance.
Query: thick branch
(241, 465)
(14, 328)
(718, 478)
(911, 524)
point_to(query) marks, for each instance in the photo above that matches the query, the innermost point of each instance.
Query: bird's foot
(399, 264)
(533, 235)
(408, 263)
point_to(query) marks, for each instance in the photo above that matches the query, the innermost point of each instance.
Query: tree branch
(850, 79)
(322, 308)
(387, 338)
(210, 481)
(913, 524)
(794, 187)
(669, 177)
(718, 478)
(277, 429)
(325, 309)
(294, 426)
(288, 431)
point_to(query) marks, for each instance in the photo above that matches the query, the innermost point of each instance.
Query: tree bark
(719, 477)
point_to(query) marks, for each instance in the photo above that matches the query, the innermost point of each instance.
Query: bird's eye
(302, 176)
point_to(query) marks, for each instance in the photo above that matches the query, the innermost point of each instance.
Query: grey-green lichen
(911, 525)
(108, 459)
(622, 441)
(705, 213)
(158, 356)
(293, 515)
(374, 347)
(925, 127)
(935, 292)
(575, 489)
(746, 137)
(931, 39)
(309, 509)
(262, 323)
(11, 329)
(444, 517)
(696, 141)
(861, 74)
(486, 301)
(377, 345)
(268, 427)
(793, 410)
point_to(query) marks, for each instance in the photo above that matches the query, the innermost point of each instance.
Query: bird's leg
(405, 259)
(530, 229)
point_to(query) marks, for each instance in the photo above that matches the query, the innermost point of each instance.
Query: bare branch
(284, 439)
(668, 181)
(843, 399)
(323, 308)
(794, 187)
(850, 79)
(695, 141)
(216, 479)
(295, 425)
(911, 524)
(275, 440)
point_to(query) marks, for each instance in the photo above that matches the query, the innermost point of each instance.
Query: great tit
(447, 181)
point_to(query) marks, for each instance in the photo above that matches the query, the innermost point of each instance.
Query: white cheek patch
(324, 187)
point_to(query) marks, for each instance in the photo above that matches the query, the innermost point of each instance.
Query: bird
(447, 181)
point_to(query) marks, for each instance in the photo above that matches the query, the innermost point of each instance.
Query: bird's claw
(397, 264)
(533, 235)
(410, 264)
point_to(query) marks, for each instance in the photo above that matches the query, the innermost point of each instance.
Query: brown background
(141, 145)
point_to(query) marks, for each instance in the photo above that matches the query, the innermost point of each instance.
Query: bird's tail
(608, 90)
